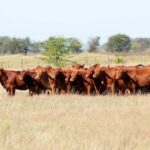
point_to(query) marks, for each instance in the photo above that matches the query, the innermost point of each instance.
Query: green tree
(118, 43)
(75, 45)
(56, 48)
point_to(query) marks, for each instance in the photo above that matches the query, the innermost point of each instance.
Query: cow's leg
(30, 92)
(83, 91)
(108, 91)
(127, 92)
(134, 89)
(53, 89)
(89, 90)
(120, 91)
(95, 89)
(113, 89)
(68, 89)
(11, 91)
(63, 91)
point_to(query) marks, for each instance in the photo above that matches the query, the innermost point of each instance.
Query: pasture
(73, 121)
(20, 62)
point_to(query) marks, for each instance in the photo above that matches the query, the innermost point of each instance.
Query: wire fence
(88, 60)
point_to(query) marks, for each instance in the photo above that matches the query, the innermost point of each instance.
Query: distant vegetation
(56, 49)
(118, 43)
(17, 45)
(94, 44)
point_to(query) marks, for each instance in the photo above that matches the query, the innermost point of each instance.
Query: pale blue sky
(39, 19)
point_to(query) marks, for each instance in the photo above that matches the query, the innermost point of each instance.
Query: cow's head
(38, 71)
(74, 75)
(91, 69)
(67, 74)
(54, 72)
(97, 72)
(22, 74)
(89, 72)
(120, 73)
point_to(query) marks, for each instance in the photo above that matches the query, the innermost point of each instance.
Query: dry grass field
(23, 62)
(72, 122)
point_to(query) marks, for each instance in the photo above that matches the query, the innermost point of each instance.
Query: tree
(93, 44)
(56, 47)
(3, 44)
(37, 46)
(17, 45)
(118, 43)
(26, 45)
(139, 44)
(75, 45)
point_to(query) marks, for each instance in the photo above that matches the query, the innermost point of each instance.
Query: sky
(83, 19)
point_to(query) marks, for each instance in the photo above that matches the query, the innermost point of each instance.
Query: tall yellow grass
(20, 62)
(74, 122)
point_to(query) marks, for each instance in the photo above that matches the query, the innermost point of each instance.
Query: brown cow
(43, 78)
(10, 80)
(86, 84)
(137, 78)
(89, 74)
(35, 86)
(106, 76)
(65, 81)
(61, 76)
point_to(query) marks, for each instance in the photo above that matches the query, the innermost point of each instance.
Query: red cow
(10, 80)
(88, 84)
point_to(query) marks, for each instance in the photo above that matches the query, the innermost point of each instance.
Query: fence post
(107, 59)
(95, 60)
(141, 59)
(1, 64)
(22, 63)
(125, 61)
(86, 60)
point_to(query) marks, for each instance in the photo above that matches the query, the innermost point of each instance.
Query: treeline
(57, 46)
(14, 45)
(123, 43)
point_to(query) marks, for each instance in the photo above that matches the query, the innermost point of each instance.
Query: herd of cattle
(78, 79)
